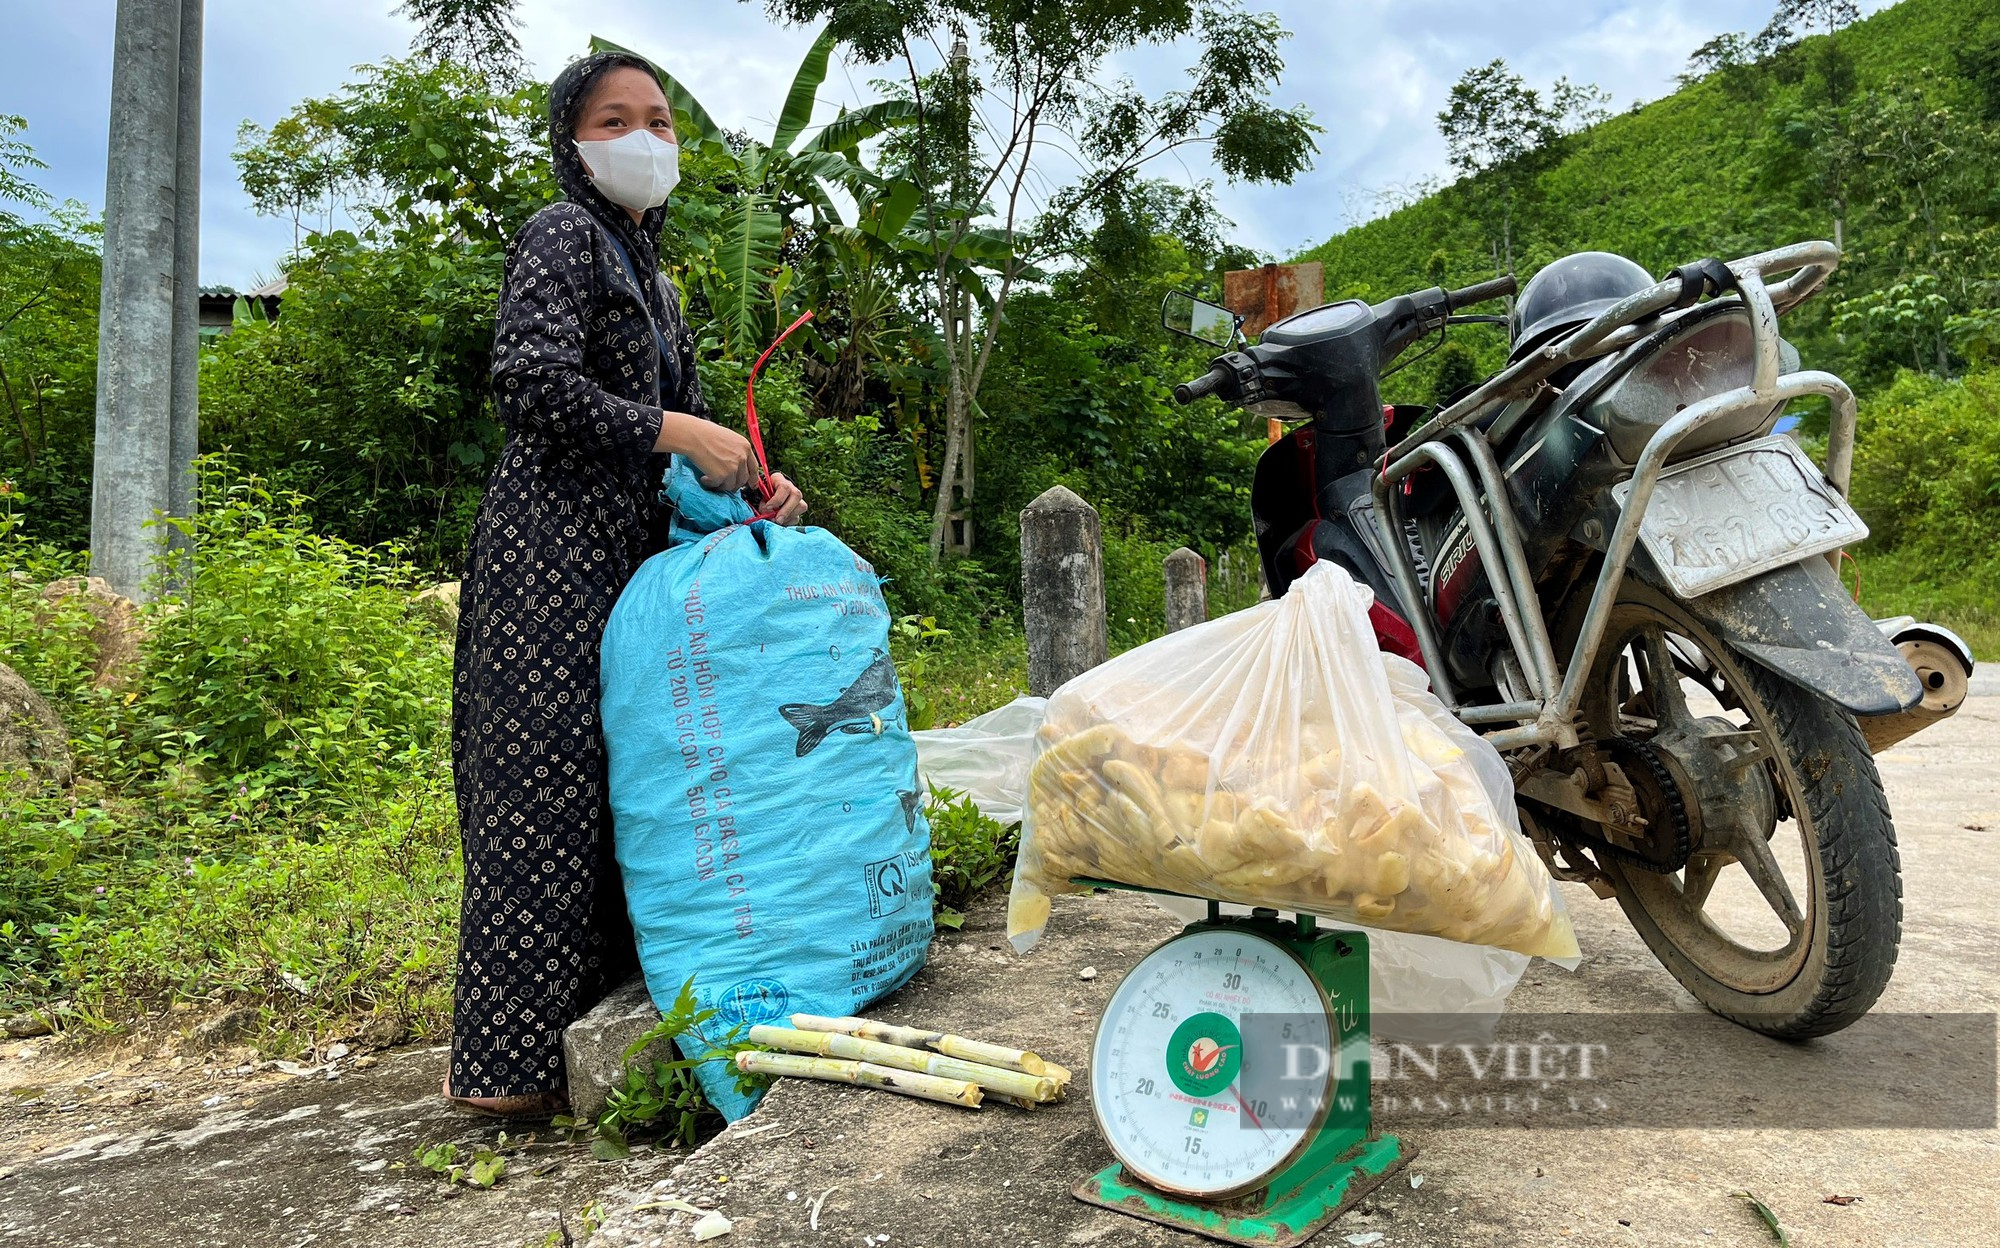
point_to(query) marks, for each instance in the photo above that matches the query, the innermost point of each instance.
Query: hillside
(1896, 120)
(1720, 168)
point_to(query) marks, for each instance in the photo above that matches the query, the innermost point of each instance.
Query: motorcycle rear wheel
(1828, 869)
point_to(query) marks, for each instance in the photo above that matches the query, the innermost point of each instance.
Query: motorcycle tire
(1827, 794)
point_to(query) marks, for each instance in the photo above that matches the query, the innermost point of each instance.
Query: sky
(1375, 73)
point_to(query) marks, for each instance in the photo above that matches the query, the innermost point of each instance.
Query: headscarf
(567, 95)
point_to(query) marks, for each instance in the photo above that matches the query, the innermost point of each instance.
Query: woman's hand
(722, 456)
(787, 505)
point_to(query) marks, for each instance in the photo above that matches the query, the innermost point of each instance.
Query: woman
(594, 373)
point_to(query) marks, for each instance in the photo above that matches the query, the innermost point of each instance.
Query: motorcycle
(1610, 562)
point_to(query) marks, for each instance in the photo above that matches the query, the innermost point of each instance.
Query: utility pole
(145, 353)
(184, 426)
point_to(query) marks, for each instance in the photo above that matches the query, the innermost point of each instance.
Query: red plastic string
(763, 481)
(1847, 558)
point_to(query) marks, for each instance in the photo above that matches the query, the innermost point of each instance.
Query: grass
(970, 674)
(1966, 601)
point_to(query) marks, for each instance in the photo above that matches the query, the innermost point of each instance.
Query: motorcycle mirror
(1183, 314)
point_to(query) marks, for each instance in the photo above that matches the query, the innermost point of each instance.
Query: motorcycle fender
(1799, 622)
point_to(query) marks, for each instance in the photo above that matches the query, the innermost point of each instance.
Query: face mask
(635, 171)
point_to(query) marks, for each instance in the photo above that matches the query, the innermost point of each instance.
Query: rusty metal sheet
(1268, 295)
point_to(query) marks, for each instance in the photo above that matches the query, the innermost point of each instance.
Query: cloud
(1374, 72)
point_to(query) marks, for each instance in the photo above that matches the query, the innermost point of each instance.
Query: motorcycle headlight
(1695, 359)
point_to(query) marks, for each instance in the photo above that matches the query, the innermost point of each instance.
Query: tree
(1020, 78)
(1496, 127)
(373, 386)
(478, 34)
(1929, 173)
(1794, 16)
(1724, 54)
(48, 335)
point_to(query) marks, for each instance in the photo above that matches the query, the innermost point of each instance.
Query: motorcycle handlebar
(1201, 387)
(1480, 293)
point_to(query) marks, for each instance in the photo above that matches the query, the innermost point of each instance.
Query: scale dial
(1166, 1068)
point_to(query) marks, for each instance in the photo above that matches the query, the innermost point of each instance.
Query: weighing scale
(1230, 1076)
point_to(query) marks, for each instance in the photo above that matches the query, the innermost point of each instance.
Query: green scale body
(1168, 1088)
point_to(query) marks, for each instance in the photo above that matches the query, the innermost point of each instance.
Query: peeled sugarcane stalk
(854, 1048)
(861, 1074)
(943, 1042)
(1018, 1102)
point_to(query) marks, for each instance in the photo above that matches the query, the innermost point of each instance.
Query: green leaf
(892, 212)
(851, 129)
(1770, 1219)
(804, 93)
(609, 1146)
(486, 1169)
(746, 253)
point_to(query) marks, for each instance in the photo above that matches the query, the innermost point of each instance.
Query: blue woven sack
(764, 792)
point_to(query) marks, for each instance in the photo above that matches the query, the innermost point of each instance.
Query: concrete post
(1187, 590)
(131, 478)
(1062, 589)
(184, 428)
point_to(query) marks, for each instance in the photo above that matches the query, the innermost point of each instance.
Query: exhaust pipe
(1943, 664)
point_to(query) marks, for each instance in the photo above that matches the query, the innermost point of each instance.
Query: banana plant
(771, 181)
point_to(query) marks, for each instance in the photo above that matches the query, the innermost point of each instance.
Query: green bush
(1927, 466)
(295, 655)
(969, 852)
(1927, 480)
(267, 814)
(352, 912)
(1135, 587)
(47, 645)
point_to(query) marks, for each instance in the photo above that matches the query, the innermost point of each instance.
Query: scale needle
(1240, 1104)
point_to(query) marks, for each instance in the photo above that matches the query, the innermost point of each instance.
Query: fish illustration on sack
(857, 709)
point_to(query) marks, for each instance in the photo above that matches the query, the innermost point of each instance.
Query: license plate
(1739, 513)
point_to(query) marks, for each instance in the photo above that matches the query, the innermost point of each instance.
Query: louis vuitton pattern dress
(571, 510)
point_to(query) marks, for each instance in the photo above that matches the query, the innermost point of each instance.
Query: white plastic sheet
(985, 759)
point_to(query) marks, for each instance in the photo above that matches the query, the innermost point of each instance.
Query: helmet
(1570, 292)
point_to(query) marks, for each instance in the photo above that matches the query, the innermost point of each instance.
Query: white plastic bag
(1275, 757)
(985, 758)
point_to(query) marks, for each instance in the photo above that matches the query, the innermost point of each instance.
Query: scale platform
(1184, 1084)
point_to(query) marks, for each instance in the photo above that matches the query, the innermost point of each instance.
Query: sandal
(534, 1106)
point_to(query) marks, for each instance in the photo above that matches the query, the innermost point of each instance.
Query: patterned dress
(570, 512)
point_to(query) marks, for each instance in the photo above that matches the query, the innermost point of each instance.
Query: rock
(117, 632)
(381, 1031)
(237, 1025)
(594, 1045)
(440, 602)
(27, 1026)
(32, 737)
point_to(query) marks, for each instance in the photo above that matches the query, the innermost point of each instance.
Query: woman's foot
(536, 1105)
